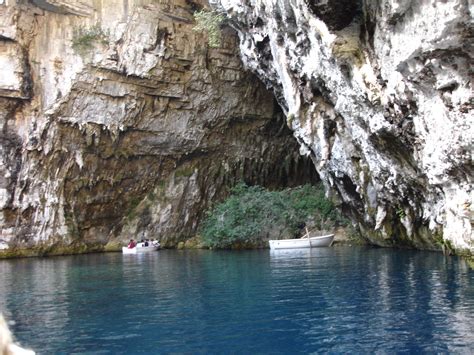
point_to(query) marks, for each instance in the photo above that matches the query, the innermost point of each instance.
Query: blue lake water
(336, 300)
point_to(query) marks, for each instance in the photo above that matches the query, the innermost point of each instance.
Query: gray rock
(379, 94)
(131, 127)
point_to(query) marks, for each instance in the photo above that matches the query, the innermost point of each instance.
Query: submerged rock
(379, 95)
(119, 122)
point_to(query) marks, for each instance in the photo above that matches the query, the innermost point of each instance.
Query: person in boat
(132, 244)
(146, 242)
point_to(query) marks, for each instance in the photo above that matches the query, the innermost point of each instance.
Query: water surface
(302, 301)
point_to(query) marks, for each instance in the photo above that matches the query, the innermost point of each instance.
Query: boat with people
(142, 247)
(307, 241)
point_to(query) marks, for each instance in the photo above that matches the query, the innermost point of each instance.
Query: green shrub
(250, 212)
(210, 22)
(400, 213)
(84, 39)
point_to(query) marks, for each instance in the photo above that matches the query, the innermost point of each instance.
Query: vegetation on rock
(401, 213)
(210, 22)
(252, 215)
(84, 39)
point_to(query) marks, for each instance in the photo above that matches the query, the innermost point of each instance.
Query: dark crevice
(336, 14)
(259, 22)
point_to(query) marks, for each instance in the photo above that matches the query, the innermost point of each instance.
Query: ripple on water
(317, 300)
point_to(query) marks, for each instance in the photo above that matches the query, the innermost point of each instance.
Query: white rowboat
(305, 242)
(140, 249)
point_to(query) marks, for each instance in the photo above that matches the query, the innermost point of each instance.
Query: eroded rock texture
(119, 122)
(379, 94)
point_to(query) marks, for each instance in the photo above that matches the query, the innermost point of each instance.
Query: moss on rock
(348, 49)
(52, 250)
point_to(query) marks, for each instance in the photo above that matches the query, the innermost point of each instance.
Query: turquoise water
(322, 300)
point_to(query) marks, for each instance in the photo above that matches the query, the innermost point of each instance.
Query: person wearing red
(132, 244)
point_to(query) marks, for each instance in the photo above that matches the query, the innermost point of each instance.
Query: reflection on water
(307, 300)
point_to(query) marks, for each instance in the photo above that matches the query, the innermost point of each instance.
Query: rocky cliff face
(379, 94)
(118, 121)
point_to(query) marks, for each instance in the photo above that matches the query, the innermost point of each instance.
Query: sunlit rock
(379, 94)
(118, 121)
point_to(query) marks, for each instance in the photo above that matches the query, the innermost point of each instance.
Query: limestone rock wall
(379, 94)
(117, 122)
